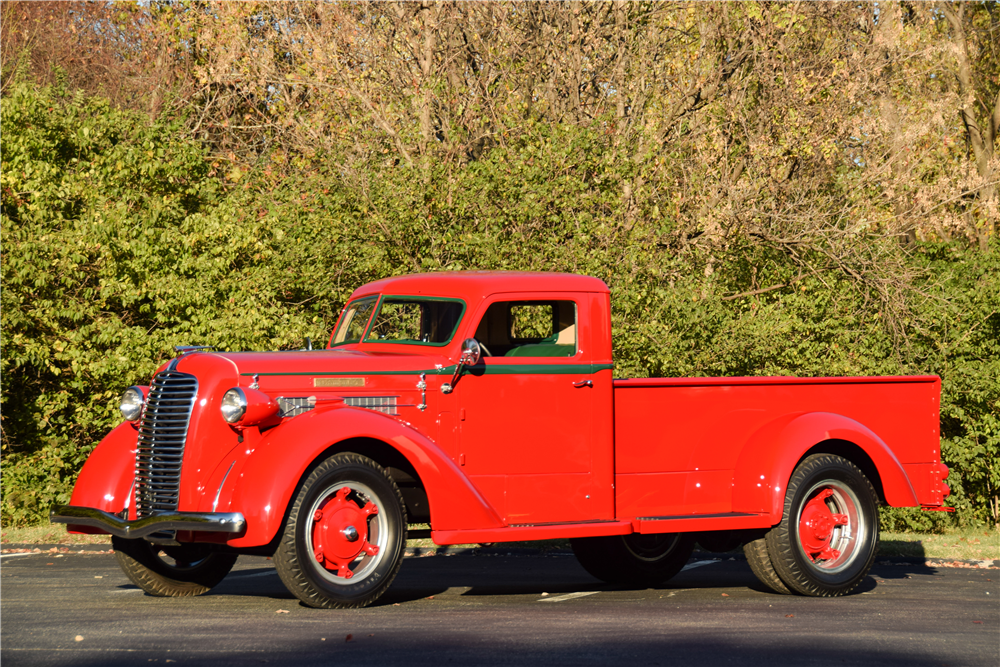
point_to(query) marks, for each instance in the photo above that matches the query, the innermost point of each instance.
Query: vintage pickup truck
(484, 405)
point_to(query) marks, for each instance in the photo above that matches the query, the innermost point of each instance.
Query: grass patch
(50, 534)
(957, 544)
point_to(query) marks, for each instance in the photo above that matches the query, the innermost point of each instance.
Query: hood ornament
(184, 349)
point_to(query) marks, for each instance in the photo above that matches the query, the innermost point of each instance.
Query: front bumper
(211, 522)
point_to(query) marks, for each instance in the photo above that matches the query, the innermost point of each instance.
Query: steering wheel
(486, 352)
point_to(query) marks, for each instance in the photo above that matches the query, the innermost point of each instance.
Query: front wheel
(345, 535)
(634, 560)
(172, 571)
(826, 541)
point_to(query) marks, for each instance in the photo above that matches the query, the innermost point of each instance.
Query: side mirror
(472, 352)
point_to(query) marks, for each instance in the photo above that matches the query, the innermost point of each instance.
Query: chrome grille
(292, 406)
(384, 404)
(162, 433)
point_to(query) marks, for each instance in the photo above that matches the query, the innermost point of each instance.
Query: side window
(529, 329)
(533, 322)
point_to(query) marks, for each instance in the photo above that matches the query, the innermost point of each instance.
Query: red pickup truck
(484, 405)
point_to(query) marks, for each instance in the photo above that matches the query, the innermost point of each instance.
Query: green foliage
(122, 238)
(118, 244)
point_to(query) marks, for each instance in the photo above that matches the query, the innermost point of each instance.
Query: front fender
(105, 481)
(770, 456)
(273, 470)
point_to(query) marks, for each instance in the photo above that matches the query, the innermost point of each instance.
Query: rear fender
(274, 469)
(105, 482)
(770, 456)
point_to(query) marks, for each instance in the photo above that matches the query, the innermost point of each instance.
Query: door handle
(583, 383)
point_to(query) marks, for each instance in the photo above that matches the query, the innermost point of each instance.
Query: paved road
(497, 610)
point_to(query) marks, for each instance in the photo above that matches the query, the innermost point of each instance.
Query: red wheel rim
(830, 526)
(346, 532)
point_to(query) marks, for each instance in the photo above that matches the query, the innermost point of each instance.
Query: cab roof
(470, 285)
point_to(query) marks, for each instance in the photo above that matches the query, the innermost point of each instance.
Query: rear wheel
(344, 539)
(634, 560)
(172, 571)
(826, 541)
(760, 563)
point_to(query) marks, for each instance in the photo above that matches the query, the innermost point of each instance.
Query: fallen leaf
(99, 576)
(978, 622)
(78, 638)
(348, 638)
(322, 639)
(281, 611)
(725, 595)
(544, 594)
(789, 615)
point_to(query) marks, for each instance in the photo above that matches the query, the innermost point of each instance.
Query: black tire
(826, 541)
(760, 563)
(634, 560)
(344, 538)
(177, 571)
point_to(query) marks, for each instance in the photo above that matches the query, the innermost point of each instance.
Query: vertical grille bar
(162, 433)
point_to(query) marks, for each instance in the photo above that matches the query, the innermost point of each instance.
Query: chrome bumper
(212, 522)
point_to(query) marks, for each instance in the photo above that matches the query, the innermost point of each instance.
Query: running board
(689, 523)
(684, 523)
(550, 531)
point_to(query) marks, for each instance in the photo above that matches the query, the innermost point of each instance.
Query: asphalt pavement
(495, 609)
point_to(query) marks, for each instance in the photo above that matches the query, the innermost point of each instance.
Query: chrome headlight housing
(234, 405)
(132, 403)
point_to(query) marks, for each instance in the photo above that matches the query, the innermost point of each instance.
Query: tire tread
(159, 584)
(760, 563)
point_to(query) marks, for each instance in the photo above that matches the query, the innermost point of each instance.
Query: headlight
(234, 405)
(132, 402)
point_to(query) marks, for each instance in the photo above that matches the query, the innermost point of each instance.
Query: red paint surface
(523, 448)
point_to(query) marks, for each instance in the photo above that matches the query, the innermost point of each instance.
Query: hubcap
(342, 542)
(830, 526)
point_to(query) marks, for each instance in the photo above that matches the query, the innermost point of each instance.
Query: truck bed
(693, 445)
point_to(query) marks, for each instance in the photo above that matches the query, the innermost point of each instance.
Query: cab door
(527, 412)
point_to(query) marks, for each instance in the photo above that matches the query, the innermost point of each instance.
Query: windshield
(353, 321)
(415, 320)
